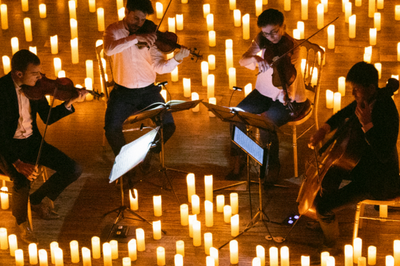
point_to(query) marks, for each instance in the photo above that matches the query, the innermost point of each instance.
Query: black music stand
(129, 157)
(156, 112)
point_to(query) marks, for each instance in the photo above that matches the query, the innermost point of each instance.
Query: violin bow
(159, 24)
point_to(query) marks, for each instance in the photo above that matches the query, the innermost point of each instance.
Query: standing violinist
(135, 71)
(270, 99)
(374, 121)
(20, 140)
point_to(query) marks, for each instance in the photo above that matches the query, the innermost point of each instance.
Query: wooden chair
(313, 57)
(383, 212)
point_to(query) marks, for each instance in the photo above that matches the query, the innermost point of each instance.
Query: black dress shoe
(44, 211)
(26, 234)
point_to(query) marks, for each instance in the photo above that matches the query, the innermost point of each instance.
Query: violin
(166, 42)
(65, 89)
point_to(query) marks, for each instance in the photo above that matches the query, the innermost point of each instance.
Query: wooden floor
(200, 144)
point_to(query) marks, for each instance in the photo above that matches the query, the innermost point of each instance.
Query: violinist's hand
(27, 169)
(183, 52)
(81, 96)
(263, 65)
(149, 38)
(363, 112)
(319, 136)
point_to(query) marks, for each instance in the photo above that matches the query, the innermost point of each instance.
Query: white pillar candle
(14, 45)
(192, 219)
(377, 21)
(195, 204)
(92, 6)
(235, 225)
(59, 257)
(337, 97)
(214, 254)
(74, 28)
(357, 249)
(300, 27)
(159, 10)
(320, 16)
(33, 253)
(89, 69)
(232, 77)
(247, 89)
(256, 262)
(209, 207)
(396, 252)
(3, 238)
(232, 4)
(25, 5)
(195, 96)
(228, 44)
(211, 62)
(74, 247)
(237, 18)
(180, 247)
(186, 87)
(184, 208)
(157, 206)
(348, 256)
(43, 258)
(86, 259)
(74, 51)
(210, 22)
(141, 245)
(287, 5)
(260, 253)
(4, 195)
(179, 21)
(206, 10)
(196, 233)
(259, 7)
(379, 4)
(347, 11)
(160, 256)
(120, 4)
(362, 261)
(210, 261)
(12, 243)
(329, 99)
(371, 255)
(53, 246)
(61, 74)
(227, 214)
(212, 38)
(4, 16)
(157, 230)
(342, 85)
(126, 261)
(134, 200)
(305, 260)
(114, 249)
(396, 12)
(352, 26)
(208, 187)
(107, 256)
(246, 26)
(96, 247)
(273, 256)
(174, 74)
(284, 256)
(100, 19)
(132, 249)
(212, 100)
(389, 260)
(304, 9)
(331, 36)
(367, 58)
(19, 257)
(234, 251)
(208, 242)
(210, 85)
(220, 203)
(72, 9)
(325, 3)
(371, 8)
(28, 29)
(171, 24)
(372, 36)
(178, 260)
(234, 202)
(229, 59)
(54, 44)
(378, 67)
(121, 13)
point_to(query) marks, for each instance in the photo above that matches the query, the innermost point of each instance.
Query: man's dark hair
(270, 17)
(22, 59)
(142, 5)
(363, 74)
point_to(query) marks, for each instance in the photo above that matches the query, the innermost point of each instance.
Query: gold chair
(105, 68)
(313, 57)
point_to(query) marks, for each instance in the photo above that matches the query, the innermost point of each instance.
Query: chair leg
(294, 136)
(30, 214)
(362, 206)
(357, 220)
(383, 212)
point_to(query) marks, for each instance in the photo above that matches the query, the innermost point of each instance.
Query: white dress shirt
(24, 129)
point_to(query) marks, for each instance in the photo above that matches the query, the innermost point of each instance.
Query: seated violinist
(372, 127)
(135, 70)
(268, 97)
(20, 140)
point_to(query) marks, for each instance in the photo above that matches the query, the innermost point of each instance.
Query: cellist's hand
(363, 112)
(263, 65)
(319, 136)
(26, 169)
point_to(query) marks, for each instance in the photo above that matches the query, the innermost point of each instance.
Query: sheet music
(249, 145)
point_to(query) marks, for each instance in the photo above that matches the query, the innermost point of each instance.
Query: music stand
(156, 112)
(129, 157)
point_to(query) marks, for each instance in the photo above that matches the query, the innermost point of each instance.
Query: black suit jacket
(9, 116)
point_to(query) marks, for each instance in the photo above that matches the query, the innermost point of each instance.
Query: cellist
(374, 119)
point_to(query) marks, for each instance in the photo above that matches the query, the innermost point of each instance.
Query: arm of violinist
(250, 59)
(81, 97)
(27, 169)
(319, 135)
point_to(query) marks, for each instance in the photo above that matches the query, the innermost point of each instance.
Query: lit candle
(211, 38)
(377, 21)
(357, 248)
(53, 246)
(305, 260)
(59, 257)
(336, 102)
(396, 252)
(157, 230)
(210, 85)
(209, 207)
(25, 5)
(132, 250)
(342, 85)
(174, 75)
(171, 24)
(134, 201)
(92, 6)
(304, 9)
(347, 11)
(389, 260)
(352, 26)
(74, 28)
(179, 21)
(228, 44)
(229, 59)
(227, 214)
(371, 255)
(96, 247)
(331, 36)
(232, 4)
(107, 255)
(378, 67)
(234, 251)
(19, 257)
(120, 4)
(211, 62)
(287, 5)
(325, 3)
(195, 96)
(126, 261)
(184, 1)
(121, 13)
(234, 200)
(237, 16)
(210, 261)
(184, 208)
(259, 7)
(284, 256)
(12, 243)
(195, 204)
(74, 51)
(4, 198)
(54, 44)
(86, 260)
(208, 242)
(396, 12)
(4, 17)
(214, 254)
(74, 246)
(159, 10)
(296, 34)
(208, 185)
(379, 4)
(247, 89)
(89, 69)
(61, 74)
(210, 22)
(371, 11)
(348, 256)
(141, 246)
(256, 262)
(196, 233)
(157, 206)
(367, 58)
(192, 219)
(372, 36)
(180, 247)
(33, 253)
(160, 256)
(246, 26)
(178, 260)
(72, 9)
(114, 249)
(3, 238)
(260, 253)
(273, 256)
(14, 45)
(235, 225)
(320, 16)
(186, 87)
(300, 27)
(42, 11)
(362, 261)
(329, 99)
(220, 203)
(43, 261)
(206, 10)
(232, 77)
(100, 19)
